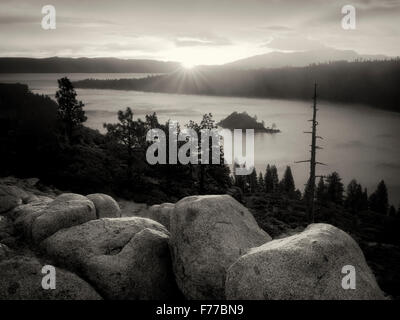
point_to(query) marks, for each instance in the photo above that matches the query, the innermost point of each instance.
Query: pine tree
(252, 180)
(354, 196)
(129, 133)
(218, 172)
(364, 200)
(335, 188)
(275, 179)
(70, 110)
(269, 187)
(287, 182)
(307, 196)
(392, 211)
(261, 183)
(379, 201)
(152, 121)
(320, 193)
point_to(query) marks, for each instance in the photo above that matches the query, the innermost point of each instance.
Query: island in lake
(244, 121)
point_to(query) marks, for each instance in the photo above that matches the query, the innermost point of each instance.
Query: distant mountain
(84, 65)
(300, 59)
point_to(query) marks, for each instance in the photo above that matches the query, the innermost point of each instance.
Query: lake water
(359, 142)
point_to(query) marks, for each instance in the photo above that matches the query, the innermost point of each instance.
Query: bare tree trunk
(310, 188)
(313, 161)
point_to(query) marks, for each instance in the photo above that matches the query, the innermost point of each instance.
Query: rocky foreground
(202, 247)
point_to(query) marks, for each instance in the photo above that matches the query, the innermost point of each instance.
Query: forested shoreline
(373, 83)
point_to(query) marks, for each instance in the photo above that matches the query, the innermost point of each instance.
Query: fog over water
(359, 142)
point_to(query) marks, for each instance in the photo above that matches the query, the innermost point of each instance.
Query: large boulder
(24, 215)
(159, 212)
(8, 202)
(6, 227)
(4, 251)
(15, 192)
(39, 220)
(21, 279)
(6, 230)
(11, 197)
(106, 206)
(304, 266)
(208, 234)
(124, 258)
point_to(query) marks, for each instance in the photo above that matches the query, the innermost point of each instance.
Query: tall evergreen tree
(297, 194)
(261, 182)
(152, 121)
(129, 133)
(392, 211)
(379, 201)
(269, 186)
(70, 110)
(354, 196)
(364, 200)
(287, 182)
(320, 193)
(335, 188)
(252, 180)
(307, 195)
(220, 171)
(275, 179)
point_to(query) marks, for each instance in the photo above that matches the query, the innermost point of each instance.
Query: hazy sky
(195, 32)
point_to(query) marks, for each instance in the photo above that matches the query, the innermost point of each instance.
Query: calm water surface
(359, 142)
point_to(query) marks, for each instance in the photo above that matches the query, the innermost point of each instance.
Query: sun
(188, 65)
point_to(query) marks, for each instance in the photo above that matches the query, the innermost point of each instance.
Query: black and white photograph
(188, 151)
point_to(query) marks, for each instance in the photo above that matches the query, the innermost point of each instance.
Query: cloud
(202, 41)
(276, 28)
(366, 12)
(85, 22)
(148, 44)
(18, 19)
(384, 5)
(13, 19)
(124, 28)
(388, 165)
(294, 43)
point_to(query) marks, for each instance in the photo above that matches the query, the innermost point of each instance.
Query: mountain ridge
(277, 59)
